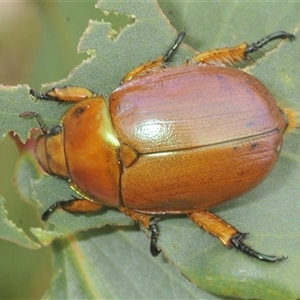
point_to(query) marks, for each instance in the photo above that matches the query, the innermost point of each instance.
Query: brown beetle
(175, 140)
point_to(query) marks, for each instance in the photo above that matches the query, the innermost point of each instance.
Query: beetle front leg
(72, 206)
(228, 235)
(238, 53)
(149, 222)
(66, 94)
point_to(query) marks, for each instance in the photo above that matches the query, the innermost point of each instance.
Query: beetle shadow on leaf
(107, 230)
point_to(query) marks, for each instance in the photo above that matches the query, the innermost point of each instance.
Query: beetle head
(49, 152)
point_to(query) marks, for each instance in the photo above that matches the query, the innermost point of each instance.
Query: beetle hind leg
(228, 235)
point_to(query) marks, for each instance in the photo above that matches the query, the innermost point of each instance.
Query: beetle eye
(55, 130)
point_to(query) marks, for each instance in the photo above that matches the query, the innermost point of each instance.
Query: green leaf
(16, 100)
(115, 263)
(10, 232)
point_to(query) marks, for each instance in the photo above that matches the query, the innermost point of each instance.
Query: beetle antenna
(37, 117)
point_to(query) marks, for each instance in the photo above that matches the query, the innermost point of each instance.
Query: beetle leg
(72, 206)
(37, 117)
(148, 222)
(237, 242)
(154, 236)
(67, 93)
(238, 53)
(157, 63)
(227, 234)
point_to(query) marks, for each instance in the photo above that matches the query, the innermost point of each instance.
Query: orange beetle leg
(148, 222)
(238, 53)
(227, 234)
(67, 93)
(156, 64)
(72, 206)
(143, 69)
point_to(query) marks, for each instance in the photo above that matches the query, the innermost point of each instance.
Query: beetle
(170, 140)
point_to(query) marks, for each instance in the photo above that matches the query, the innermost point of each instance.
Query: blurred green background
(38, 42)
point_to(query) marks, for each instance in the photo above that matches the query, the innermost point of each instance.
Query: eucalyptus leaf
(115, 262)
